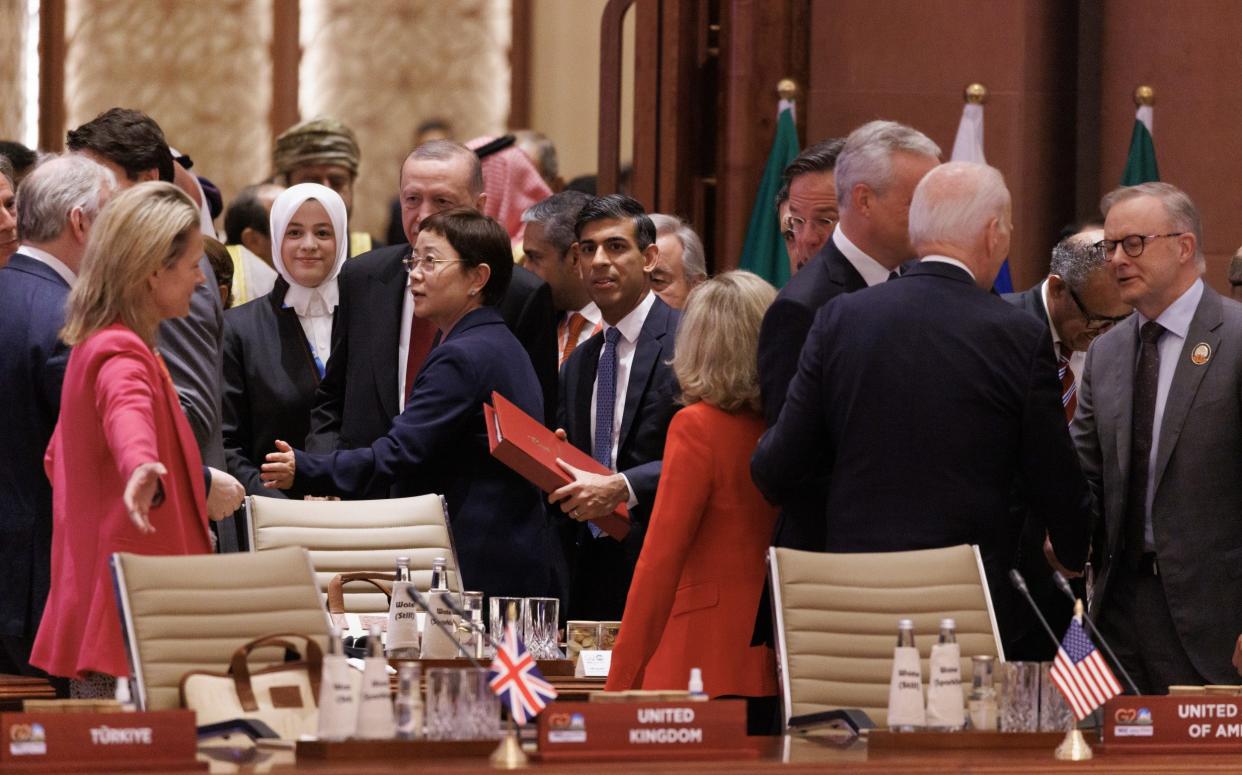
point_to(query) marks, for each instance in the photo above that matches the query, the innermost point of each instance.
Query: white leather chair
(191, 613)
(836, 620)
(347, 536)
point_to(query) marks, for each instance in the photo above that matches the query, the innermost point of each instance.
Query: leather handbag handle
(239, 666)
(336, 591)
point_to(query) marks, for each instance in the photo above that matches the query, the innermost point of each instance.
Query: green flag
(764, 251)
(1141, 163)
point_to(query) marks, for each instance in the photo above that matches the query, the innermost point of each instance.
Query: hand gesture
(226, 495)
(141, 492)
(278, 471)
(589, 496)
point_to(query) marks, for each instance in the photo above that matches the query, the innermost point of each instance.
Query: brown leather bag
(336, 597)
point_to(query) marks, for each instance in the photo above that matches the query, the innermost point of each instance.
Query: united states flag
(1081, 673)
(516, 680)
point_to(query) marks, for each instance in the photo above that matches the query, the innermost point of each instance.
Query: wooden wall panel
(1188, 51)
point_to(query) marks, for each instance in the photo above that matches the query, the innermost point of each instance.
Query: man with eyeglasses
(867, 181)
(1159, 434)
(1078, 301)
(378, 344)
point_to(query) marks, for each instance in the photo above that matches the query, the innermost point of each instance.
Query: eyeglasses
(794, 224)
(427, 264)
(1096, 323)
(1132, 244)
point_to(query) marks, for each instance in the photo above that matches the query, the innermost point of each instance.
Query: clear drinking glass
(478, 710)
(1019, 697)
(472, 605)
(504, 610)
(539, 618)
(1055, 714)
(440, 709)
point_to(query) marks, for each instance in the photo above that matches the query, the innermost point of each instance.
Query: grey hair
(54, 189)
(693, 258)
(955, 202)
(1075, 259)
(868, 156)
(1177, 204)
(446, 150)
(558, 214)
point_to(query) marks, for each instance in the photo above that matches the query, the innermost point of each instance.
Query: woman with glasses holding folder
(459, 270)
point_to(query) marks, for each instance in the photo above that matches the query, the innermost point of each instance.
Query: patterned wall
(12, 36)
(201, 68)
(385, 65)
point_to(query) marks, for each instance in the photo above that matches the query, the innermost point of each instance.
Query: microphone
(1019, 583)
(1064, 586)
(470, 622)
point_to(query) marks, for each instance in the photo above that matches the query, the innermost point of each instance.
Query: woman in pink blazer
(124, 465)
(701, 569)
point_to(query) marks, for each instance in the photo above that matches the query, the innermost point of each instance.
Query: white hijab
(322, 299)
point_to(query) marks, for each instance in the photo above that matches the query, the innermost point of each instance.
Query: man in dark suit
(1078, 301)
(1159, 432)
(617, 398)
(59, 200)
(919, 402)
(869, 178)
(378, 345)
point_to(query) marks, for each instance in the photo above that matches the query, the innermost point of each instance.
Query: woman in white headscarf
(277, 346)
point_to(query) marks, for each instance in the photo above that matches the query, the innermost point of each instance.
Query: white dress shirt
(44, 257)
(630, 327)
(315, 307)
(934, 259)
(1176, 322)
(1077, 359)
(872, 271)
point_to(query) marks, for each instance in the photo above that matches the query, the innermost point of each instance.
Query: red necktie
(422, 334)
(1069, 390)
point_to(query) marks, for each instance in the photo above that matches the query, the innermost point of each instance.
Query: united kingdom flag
(517, 681)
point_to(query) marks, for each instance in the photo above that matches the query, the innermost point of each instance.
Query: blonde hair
(716, 357)
(139, 232)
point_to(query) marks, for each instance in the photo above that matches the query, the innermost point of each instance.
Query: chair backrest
(345, 536)
(191, 613)
(836, 620)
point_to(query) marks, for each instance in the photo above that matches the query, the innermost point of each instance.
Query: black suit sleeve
(536, 330)
(237, 424)
(784, 329)
(793, 452)
(325, 418)
(1048, 456)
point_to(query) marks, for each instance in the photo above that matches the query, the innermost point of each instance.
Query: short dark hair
(558, 214)
(246, 211)
(477, 239)
(618, 207)
(21, 157)
(128, 138)
(820, 157)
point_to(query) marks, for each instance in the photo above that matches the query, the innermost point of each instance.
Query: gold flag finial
(975, 94)
(787, 88)
(1078, 609)
(1144, 95)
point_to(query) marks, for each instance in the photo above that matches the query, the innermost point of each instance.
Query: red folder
(525, 445)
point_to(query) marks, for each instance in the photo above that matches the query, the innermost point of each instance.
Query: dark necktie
(605, 404)
(1069, 390)
(893, 275)
(1143, 421)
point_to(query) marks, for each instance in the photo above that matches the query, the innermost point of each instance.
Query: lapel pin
(1201, 354)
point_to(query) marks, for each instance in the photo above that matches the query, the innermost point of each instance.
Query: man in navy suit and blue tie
(59, 200)
(919, 403)
(617, 397)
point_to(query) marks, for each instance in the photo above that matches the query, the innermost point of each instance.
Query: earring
(473, 292)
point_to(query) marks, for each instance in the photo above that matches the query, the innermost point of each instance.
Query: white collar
(632, 324)
(872, 271)
(302, 299)
(58, 266)
(591, 313)
(1177, 316)
(952, 262)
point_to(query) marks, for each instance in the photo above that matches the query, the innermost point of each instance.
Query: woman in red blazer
(702, 564)
(124, 465)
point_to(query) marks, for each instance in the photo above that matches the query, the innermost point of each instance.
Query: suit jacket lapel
(646, 354)
(840, 271)
(1187, 377)
(387, 288)
(581, 432)
(1123, 391)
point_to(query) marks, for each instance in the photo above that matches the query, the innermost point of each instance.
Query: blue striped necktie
(605, 405)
